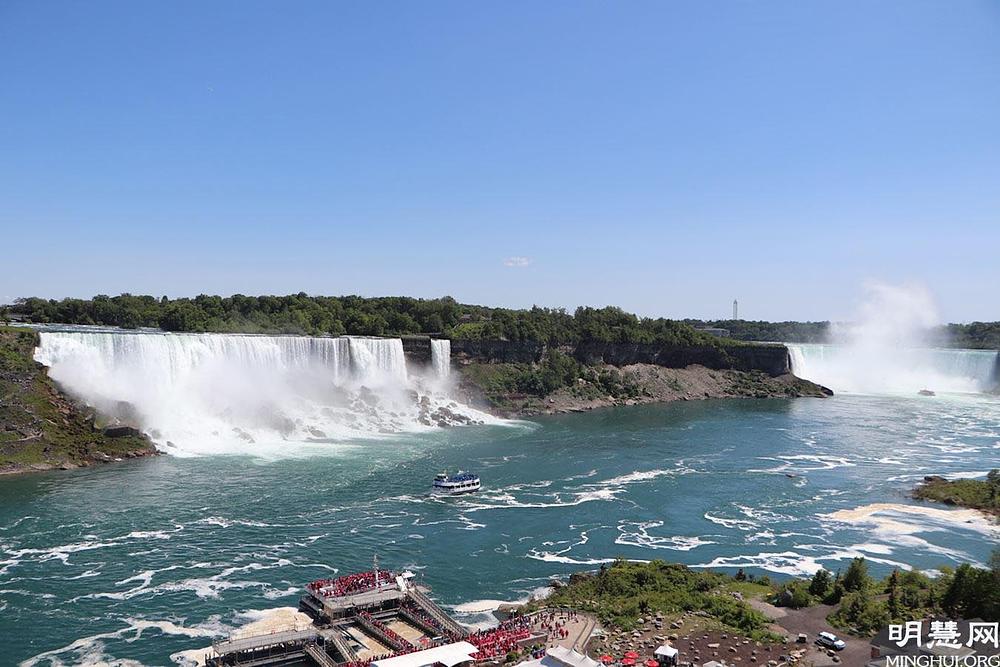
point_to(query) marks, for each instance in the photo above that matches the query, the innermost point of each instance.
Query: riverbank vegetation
(39, 427)
(503, 384)
(760, 331)
(974, 335)
(977, 494)
(865, 605)
(396, 316)
(560, 383)
(354, 315)
(621, 593)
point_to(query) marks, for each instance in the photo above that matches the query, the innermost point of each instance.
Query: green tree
(856, 578)
(894, 602)
(821, 583)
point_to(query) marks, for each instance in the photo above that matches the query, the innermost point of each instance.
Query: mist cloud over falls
(888, 348)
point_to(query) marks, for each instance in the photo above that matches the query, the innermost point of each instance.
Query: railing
(321, 657)
(382, 633)
(425, 624)
(333, 636)
(448, 623)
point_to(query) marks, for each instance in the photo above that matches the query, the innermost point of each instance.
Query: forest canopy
(399, 316)
(355, 315)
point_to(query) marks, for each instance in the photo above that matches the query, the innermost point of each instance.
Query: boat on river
(457, 484)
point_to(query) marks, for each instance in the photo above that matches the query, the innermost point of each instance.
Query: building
(449, 655)
(561, 656)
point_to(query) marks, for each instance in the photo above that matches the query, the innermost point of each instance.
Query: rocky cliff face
(40, 427)
(497, 351)
(417, 349)
(770, 359)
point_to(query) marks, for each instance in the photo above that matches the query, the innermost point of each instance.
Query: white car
(830, 640)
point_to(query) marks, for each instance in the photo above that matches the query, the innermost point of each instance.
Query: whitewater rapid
(267, 396)
(895, 370)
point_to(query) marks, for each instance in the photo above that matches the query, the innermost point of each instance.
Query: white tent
(561, 656)
(666, 651)
(448, 655)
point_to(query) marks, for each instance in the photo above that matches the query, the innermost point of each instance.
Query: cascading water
(441, 357)
(887, 350)
(847, 369)
(221, 393)
(378, 360)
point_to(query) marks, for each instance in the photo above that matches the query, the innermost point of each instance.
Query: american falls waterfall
(899, 370)
(225, 393)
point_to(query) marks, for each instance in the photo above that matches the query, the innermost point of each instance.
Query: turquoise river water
(135, 562)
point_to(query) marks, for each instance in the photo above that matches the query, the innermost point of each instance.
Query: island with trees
(979, 494)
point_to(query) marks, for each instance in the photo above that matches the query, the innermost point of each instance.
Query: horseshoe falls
(267, 396)
(861, 369)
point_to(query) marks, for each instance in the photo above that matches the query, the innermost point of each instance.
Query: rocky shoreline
(41, 428)
(656, 384)
(980, 495)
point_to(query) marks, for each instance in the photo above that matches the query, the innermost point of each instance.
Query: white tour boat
(453, 485)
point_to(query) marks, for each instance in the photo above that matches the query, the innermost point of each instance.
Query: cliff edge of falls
(40, 427)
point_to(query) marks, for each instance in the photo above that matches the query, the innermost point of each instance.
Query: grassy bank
(40, 428)
(624, 595)
(624, 592)
(977, 494)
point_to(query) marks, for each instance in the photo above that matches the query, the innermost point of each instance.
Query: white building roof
(448, 655)
(666, 650)
(561, 656)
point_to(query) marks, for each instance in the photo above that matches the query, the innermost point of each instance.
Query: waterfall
(377, 360)
(441, 357)
(859, 369)
(225, 393)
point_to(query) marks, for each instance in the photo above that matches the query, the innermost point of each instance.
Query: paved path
(811, 621)
(579, 629)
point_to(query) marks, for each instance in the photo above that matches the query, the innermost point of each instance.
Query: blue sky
(663, 156)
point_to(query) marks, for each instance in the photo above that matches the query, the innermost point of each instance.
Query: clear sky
(667, 157)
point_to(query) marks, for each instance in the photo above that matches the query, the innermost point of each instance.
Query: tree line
(974, 335)
(398, 316)
(356, 315)
(868, 605)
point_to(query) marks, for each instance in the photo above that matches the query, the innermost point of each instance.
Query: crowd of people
(501, 640)
(553, 623)
(350, 584)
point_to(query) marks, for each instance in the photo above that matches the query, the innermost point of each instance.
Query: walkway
(810, 622)
(579, 628)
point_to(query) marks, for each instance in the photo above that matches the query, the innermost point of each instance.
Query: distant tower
(736, 309)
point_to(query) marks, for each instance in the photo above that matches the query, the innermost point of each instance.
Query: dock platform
(368, 617)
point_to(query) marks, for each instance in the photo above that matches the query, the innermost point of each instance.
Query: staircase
(334, 637)
(319, 656)
(435, 612)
